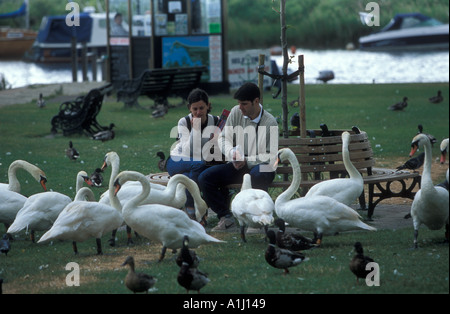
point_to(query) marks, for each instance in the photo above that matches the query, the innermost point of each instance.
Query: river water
(349, 67)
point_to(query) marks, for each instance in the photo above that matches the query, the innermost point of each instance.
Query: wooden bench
(80, 115)
(159, 84)
(320, 159)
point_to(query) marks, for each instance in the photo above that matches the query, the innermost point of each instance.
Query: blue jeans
(213, 182)
(189, 168)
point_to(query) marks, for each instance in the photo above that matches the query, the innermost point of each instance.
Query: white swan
(10, 203)
(322, 215)
(344, 190)
(252, 207)
(157, 222)
(430, 204)
(14, 184)
(40, 210)
(173, 195)
(81, 220)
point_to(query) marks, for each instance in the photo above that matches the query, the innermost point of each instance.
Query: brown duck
(137, 282)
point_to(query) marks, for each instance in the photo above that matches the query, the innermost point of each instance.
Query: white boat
(408, 31)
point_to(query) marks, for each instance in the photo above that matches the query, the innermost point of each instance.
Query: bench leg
(362, 201)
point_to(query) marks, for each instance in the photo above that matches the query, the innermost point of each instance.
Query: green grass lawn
(233, 267)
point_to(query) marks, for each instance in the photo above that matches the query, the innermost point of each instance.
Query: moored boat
(14, 42)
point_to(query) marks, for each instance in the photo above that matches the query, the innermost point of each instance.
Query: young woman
(187, 157)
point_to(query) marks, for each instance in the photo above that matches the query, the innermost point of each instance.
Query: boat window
(409, 22)
(142, 23)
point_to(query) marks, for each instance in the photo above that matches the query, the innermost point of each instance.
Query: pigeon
(281, 258)
(400, 105)
(71, 152)
(413, 163)
(359, 262)
(41, 101)
(5, 246)
(436, 99)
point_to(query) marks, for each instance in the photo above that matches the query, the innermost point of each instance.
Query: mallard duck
(97, 178)
(344, 190)
(137, 282)
(400, 105)
(359, 262)
(430, 137)
(14, 184)
(40, 102)
(413, 163)
(281, 258)
(162, 161)
(5, 246)
(320, 214)
(430, 204)
(41, 210)
(291, 241)
(436, 99)
(105, 135)
(252, 207)
(71, 152)
(189, 256)
(443, 149)
(160, 111)
(160, 223)
(192, 278)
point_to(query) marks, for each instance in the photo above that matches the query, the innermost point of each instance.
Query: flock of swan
(153, 210)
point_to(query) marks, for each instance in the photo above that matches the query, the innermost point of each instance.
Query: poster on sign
(243, 67)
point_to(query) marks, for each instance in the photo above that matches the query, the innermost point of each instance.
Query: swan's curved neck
(296, 180)
(426, 181)
(138, 199)
(351, 169)
(190, 185)
(246, 183)
(14, 184)
(115, 164)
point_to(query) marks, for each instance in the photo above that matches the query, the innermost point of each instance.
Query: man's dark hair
(247, 92)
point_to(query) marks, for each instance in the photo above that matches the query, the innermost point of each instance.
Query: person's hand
(238, 160)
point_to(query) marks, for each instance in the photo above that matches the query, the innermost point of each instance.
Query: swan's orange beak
(414, 148)
(104, 166)
(117, 187)
(443, 154)
(88, 181)
(43, 181)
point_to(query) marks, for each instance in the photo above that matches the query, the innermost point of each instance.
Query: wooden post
(301, 98)
(285, 67)
(94, 57)
(262, 58)
(84, 61)
(74, 57)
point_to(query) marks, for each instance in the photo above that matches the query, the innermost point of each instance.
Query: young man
(250, 142)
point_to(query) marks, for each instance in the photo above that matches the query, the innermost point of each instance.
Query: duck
(173, 194)
(281, 258)
(14, 184)
(5, 246)
(443, 148)
(430, 137)
(359, 262)
(319, 214)
(159, 223)
(191, 278)
(72, 152)
(160, 111)
(187, 254)
(40, 102)
(162, 161)
(295, 121)
(252, 207)
(97, 178)
(291, 241)
(436, 99)
(344, 190)
(81, 220)
(400, 105)
(430, 203)
(40, 210)
(137, 282)
(105, 135)
(413, 163)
